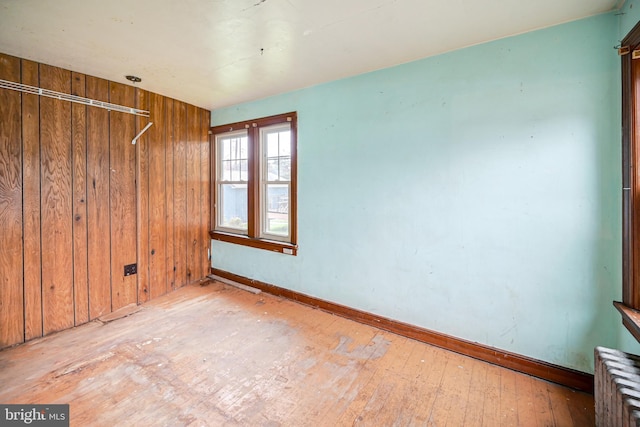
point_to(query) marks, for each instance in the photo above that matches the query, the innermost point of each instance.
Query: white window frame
(265, 182)
(220, 182)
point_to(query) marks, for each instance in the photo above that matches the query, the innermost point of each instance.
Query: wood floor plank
(491, 409)
(459, 386)
(527, 413)
(357, 403)
(580, 406)
(450, 403)
(217, 355)
(508, 400)
(353, 373)
(474, 411)
(385, 404)
(413, 373)
(313, 369)
(430, 385)
(421, 368)
(542, 402)
(559, 405)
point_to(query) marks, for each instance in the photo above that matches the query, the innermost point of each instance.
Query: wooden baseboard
(558, 374)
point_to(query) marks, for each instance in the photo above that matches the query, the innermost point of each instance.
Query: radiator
(617, 388)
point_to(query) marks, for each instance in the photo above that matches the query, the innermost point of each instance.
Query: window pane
(233, 147)
(235, 173)
(279, 169)
(272, 144)
(277, 153)
(244, 168)
(285, 143)
(285, 168)
(277, 209)
(226, 148)
(226, 170)
(243, 148)
(272, 169)
(233, 206)
(235, 170)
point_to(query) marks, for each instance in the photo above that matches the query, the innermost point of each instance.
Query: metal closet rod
(5, 84)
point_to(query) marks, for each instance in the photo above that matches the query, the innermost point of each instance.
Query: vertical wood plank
(142, 197)
(57, 235)
(98, 217)
(205, 191)
(31, 201)
(11, 261)
(170, 231)
(193, 194)
(157, 198)
(179, 193)
(79, 158)
(72, 175)
(122, 155)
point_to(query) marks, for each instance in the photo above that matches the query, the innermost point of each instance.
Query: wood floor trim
(558, 374)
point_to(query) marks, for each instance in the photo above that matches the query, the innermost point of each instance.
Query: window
(254, 176)
(631, 182)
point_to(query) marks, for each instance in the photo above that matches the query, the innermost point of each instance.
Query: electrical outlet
(130, 269)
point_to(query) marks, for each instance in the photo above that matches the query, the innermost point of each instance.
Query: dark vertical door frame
(631, 296)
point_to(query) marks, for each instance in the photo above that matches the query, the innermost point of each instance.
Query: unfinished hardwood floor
(216, 355)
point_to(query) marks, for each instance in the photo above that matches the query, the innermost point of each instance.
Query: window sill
(630, 319)
(269, 245)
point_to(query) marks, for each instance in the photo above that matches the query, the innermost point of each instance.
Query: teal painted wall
(628, 16)
(475, 193)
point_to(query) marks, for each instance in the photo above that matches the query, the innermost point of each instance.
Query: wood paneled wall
(78, 201)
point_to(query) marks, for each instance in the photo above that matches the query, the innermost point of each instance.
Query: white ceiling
(215, 53)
